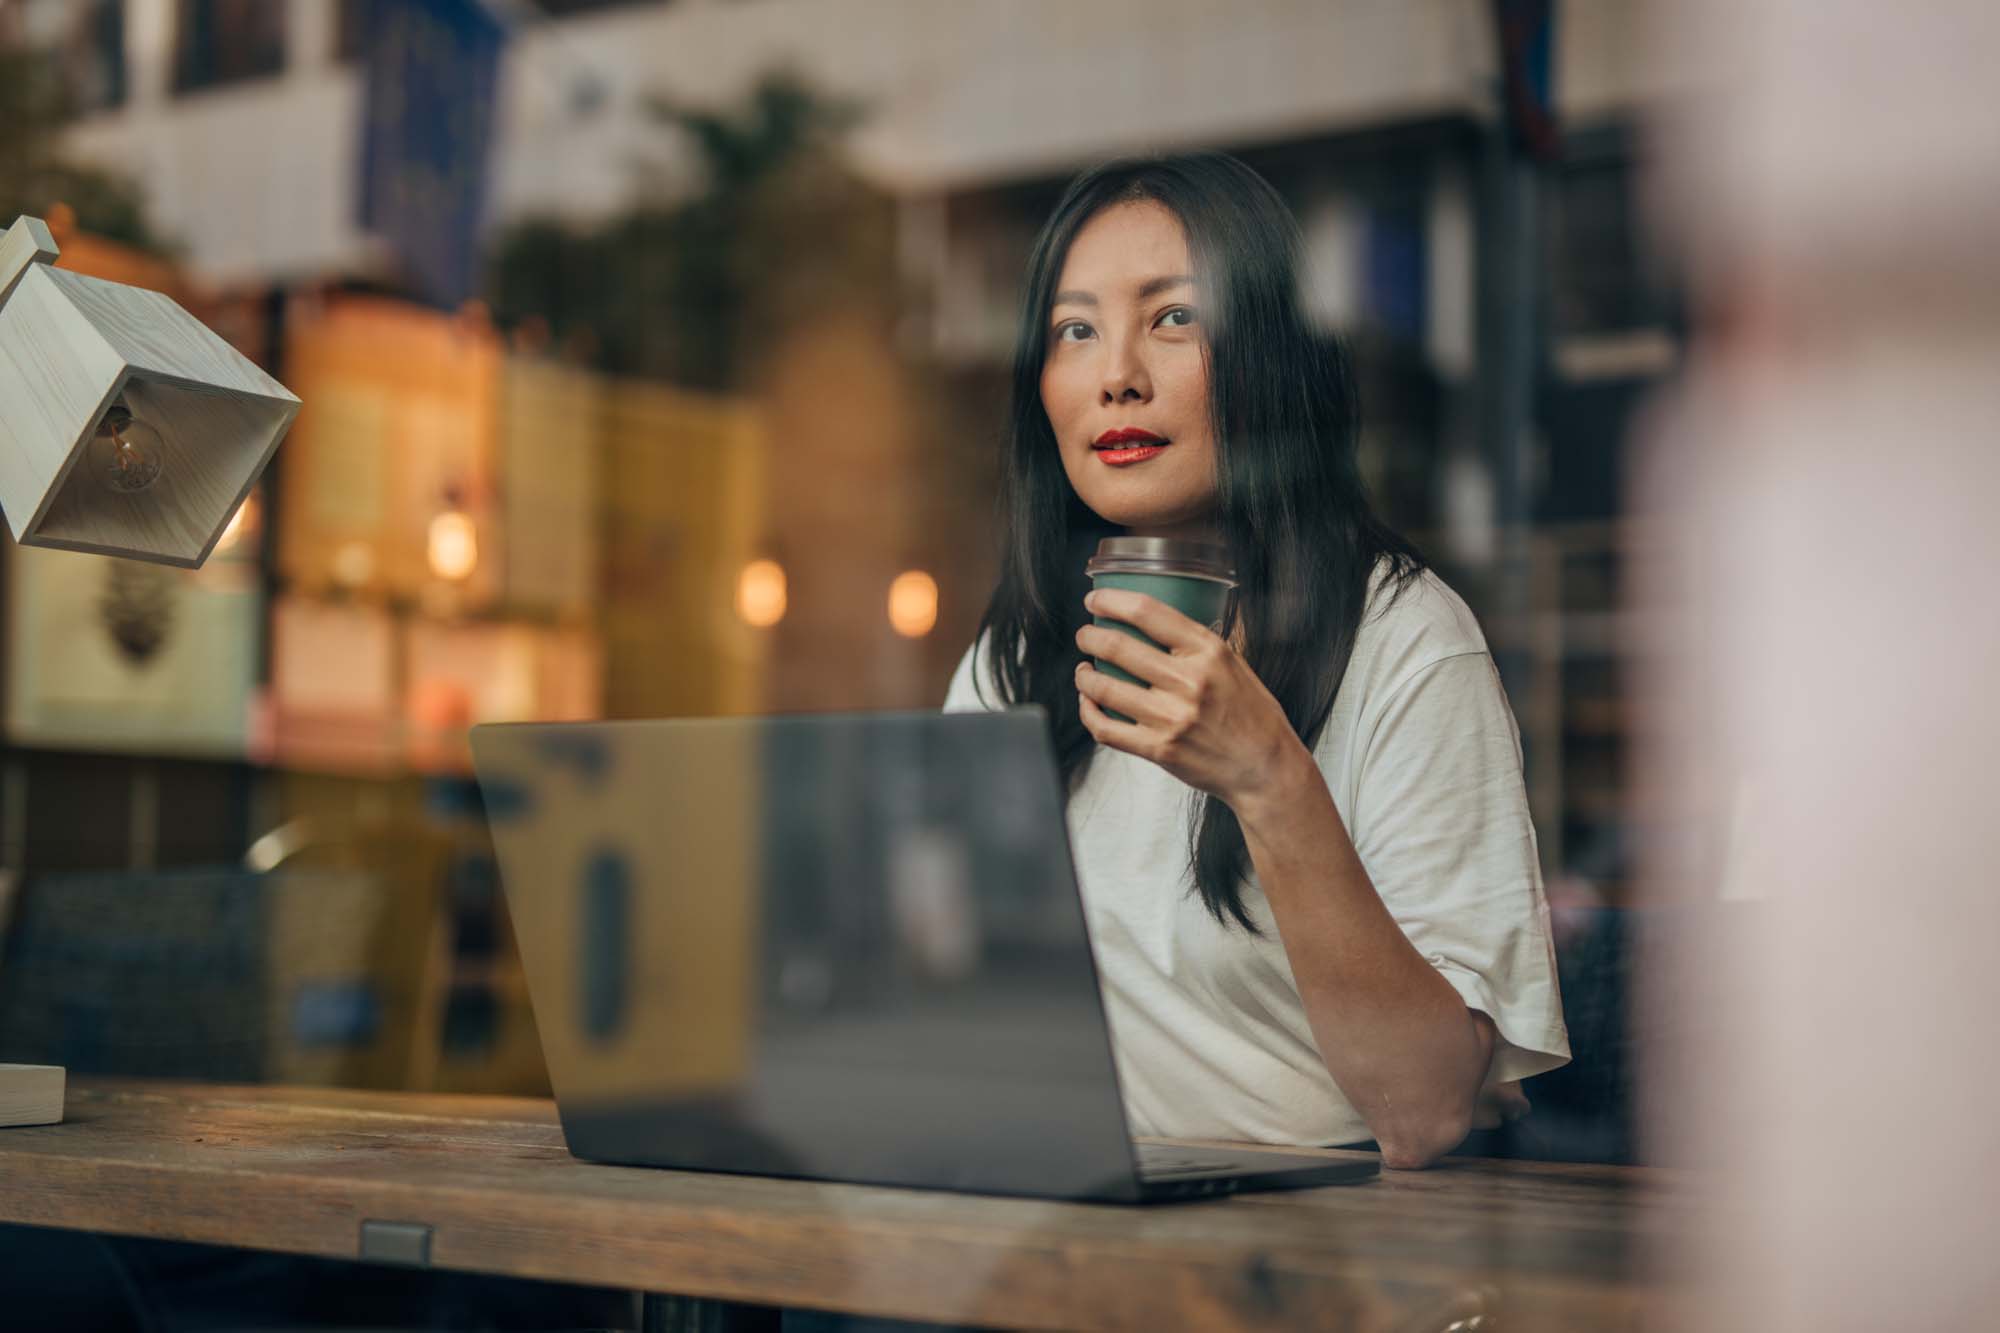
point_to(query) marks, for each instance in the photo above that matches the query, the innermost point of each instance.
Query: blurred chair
(328, 971)
(1583, 1112)
(322, 961)
(1587, 1111)
(406, 949)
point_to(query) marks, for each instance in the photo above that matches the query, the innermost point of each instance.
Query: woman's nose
(1125, 378)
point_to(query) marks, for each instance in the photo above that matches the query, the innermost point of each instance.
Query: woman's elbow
(1413, 1147)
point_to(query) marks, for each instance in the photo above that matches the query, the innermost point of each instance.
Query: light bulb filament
(126, 454)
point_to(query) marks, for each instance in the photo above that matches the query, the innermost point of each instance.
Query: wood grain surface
(26, 242)
(31, 1094)
(1527, 1245)
(56, 378)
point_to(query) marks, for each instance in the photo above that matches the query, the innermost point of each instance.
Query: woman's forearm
(1394, 1034)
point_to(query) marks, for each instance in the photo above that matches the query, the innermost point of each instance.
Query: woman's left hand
(1207, 719)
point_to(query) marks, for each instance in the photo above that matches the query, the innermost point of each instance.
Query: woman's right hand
(1499, 1103)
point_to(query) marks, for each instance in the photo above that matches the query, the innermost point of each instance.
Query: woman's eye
(1179, 317)
(1072, 331)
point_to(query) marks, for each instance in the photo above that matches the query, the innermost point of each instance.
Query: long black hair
(1289, 496)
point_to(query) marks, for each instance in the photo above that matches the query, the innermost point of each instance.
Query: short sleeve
(1440, 821)
(972, 689)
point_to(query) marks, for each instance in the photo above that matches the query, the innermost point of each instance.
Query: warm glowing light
(232, 531)
(913, 604)
(242, 524)
(353, 564)
(454, 545)
(760, 593)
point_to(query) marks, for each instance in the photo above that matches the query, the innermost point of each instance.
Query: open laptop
(844, 947)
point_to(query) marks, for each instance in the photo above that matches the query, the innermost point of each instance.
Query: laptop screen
(845, 946)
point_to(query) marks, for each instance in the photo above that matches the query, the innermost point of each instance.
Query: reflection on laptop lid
(843, 947)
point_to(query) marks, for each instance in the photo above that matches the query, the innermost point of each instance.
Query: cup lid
(1169, 555)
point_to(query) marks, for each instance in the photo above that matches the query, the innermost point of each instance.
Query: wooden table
(485, 1185)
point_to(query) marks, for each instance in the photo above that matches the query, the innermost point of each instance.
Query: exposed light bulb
(126, 455)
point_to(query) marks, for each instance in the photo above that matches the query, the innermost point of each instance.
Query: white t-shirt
(1423, 759)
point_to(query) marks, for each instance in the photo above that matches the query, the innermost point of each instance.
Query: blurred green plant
(685, 286)
(35, 176)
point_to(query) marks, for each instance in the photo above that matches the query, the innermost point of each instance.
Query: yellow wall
(683, 512)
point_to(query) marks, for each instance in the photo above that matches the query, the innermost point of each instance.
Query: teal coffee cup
(1194, 578)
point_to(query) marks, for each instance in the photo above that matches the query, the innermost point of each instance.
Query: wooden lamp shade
(70, 348)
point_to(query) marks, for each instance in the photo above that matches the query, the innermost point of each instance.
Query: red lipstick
(1127, 435)
(1123, 446)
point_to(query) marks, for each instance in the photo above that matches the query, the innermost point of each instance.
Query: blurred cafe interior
(701, 420)
(654, 358)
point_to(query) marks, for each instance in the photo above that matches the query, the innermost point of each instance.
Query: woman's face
(1125, 381)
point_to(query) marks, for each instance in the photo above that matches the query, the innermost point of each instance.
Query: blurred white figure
(1834, 460)
(930, 897)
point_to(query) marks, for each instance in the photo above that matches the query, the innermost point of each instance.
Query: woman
(1307, 862)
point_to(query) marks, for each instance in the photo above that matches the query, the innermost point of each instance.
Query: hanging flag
(1527, 70)
(432, 67)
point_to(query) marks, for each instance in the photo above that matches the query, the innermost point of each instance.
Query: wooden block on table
(31, 1094)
